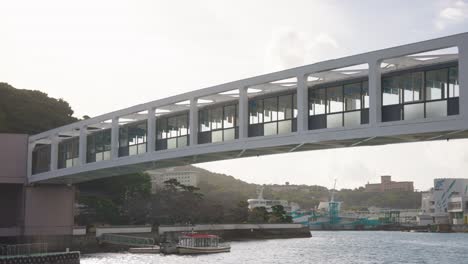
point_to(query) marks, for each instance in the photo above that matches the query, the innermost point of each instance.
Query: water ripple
(324, 247)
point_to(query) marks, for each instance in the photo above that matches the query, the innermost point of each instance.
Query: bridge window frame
(68, 153)
(330, 105)
(217, 124)
(98, 146)
(41, 158)
(445, 103)
(131, 140)
(266, 121)
(169, 133)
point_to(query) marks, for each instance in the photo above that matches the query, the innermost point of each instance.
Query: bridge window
(272, 115)
(98, 146)
(172, 131)
(420, 94)
(68, 153)
(217, 124)
(41, 159)
(342, 104)
(132, 138)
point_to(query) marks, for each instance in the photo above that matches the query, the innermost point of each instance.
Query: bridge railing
(126, 240)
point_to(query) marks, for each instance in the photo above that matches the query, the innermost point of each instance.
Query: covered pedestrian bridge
(410, 93)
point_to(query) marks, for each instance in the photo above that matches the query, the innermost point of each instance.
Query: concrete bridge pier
(31, 213)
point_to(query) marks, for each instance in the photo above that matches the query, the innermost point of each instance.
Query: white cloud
(455, 13)
(289, 48)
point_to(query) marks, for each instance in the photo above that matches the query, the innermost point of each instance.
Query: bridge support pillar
(375, 91)
(193, 122)
(151, 130)
(243, 113)
(83, 144)
(115, 138)
(54, 152)
(302, 104)
(48, 210)
(30, 158)
(463, 76)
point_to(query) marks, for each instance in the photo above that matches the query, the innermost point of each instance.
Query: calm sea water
(323, 247)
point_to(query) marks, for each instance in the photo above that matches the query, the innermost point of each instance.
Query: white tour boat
(195, 243)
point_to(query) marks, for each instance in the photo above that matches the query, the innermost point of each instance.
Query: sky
(102, 56)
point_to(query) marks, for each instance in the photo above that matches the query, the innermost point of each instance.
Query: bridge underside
(139, 167)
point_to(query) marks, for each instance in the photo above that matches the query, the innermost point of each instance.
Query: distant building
(185, 177)
(447, 196)
(387, 185)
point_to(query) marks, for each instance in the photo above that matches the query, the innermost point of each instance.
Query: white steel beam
(115, 138)
(302, 104)
(193, 121)
(151, 131)
(375, 94)
(83, 145)
(463, 77)
(243, 113)
(54, 152)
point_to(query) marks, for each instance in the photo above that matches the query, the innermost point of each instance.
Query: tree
(240, 213)
(31, 112)
(175, 203)
(118, 200)
(136, 208)
(279, 215)
(258, 215)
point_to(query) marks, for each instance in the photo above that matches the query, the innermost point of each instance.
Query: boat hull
(145, 250)
(202, 250)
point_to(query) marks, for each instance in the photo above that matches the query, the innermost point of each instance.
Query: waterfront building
(458, 209)
(435, 202)
(387, 185)
(184, 176)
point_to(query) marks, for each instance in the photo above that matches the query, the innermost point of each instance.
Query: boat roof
(198, 235)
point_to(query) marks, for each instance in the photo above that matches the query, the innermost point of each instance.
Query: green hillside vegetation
(228, 191)
(224, 189)
(31, 112)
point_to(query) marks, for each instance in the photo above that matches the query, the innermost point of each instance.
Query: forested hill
(222, 188)
(228, 189)
(31, 112)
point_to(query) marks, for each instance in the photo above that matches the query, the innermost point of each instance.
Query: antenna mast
(333, 192)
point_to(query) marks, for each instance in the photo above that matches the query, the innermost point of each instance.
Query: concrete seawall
(89, 242)
(236, 232)
(460, 228)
